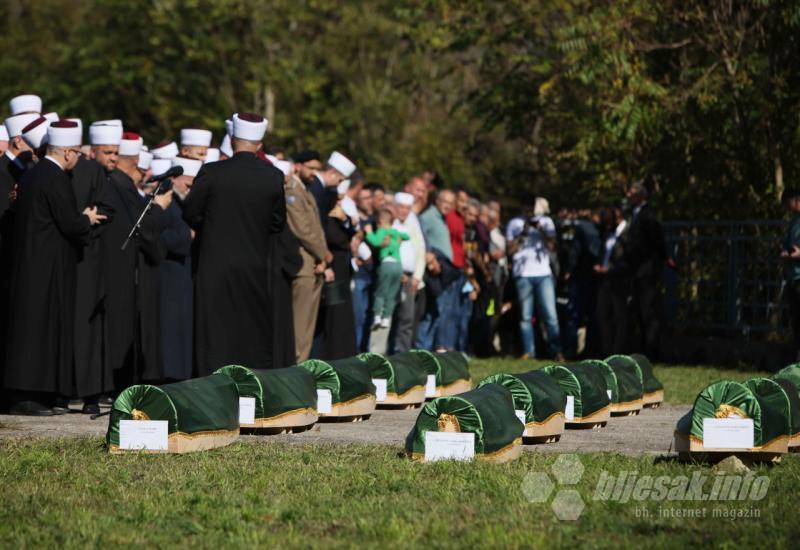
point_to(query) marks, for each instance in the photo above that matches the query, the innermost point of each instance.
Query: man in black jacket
(237, 207)
(646, 256)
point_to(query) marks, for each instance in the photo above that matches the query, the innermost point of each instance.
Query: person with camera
(531, 237)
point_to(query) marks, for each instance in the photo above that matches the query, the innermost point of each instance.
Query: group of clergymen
(205, 280)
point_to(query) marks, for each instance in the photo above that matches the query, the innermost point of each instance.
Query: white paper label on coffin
(430, 386)
(728, 433)
(324, 401)
(449, 446)
(521, 415)
(380, 389)
(569, 411)
(247, 410)
(145, 435)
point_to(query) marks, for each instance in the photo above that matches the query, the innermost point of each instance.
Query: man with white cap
(13, 164)
(132, 336)
(26, 103)
(412, 259)
(93, 377)
(237, 207)
(175, 279)
(48, 235)
(302, 216)
(35, 136)
(324, 183)
(195, 143)
(104, 136)
(165, 150)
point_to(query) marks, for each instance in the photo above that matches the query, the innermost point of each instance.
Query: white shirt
(13, 158)
(611, 241)
(498, 242)
(532, 259)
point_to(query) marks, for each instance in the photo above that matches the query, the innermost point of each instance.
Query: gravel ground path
(649, 433)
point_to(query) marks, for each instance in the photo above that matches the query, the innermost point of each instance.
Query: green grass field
(71, 493)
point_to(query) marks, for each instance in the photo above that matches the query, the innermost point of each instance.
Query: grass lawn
(71, 493)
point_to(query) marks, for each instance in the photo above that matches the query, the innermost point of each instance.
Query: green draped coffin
(761, 400)
(653, 390)
(403, 375)
(450, 370)
(789, 380)
(202, 413)
(488, 412)
(349, 383)
(623, 382)
(539, 397)
(284, 398)
(585, 384)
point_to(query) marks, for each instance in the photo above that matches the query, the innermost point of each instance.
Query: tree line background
(572, 99)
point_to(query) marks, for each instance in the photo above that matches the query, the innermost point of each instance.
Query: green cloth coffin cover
(449, 367)
(207, 404)
(534, 392)
(622, 376)
(650, 383)
(585, 383)
(347, 379)
(402, 374)
(790, 373)
(488, 412)
(793, 394)
(276, 391)
(766, 404)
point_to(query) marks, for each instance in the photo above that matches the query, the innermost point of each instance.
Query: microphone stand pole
(138, 223)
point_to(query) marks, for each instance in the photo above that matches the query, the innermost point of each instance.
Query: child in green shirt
(390, 271)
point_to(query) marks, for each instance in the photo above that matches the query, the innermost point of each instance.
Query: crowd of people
(124, 264)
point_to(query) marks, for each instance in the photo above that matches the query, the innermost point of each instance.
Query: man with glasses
(48, 235)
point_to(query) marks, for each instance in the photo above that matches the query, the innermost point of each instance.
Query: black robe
(336, 325)
(237, 206)
(92, 375)
(10, 174)
(130, 319)
(175, 296)
(48, 235)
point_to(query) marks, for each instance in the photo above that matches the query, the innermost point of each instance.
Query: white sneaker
(385, 322)
(376, 323)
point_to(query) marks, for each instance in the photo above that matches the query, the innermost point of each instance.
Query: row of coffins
(758, 418)
(493, 421)
(209, 412)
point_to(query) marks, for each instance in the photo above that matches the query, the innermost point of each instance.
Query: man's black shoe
(90, 408)
(30, 408)
(61, 406)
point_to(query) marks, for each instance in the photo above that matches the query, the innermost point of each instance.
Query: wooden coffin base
(692, 449)
(653, 400)
(597, 419)
(179, 442)
(548, 431)
(629, 408)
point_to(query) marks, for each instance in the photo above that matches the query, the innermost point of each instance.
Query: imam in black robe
(10, 174)
(175, 296)
(132, 339)
(237, 206)
(48, 235)
(93, 376)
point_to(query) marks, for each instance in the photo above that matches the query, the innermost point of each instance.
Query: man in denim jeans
(531, 236)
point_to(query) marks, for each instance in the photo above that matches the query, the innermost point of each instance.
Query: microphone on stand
(171, 173)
